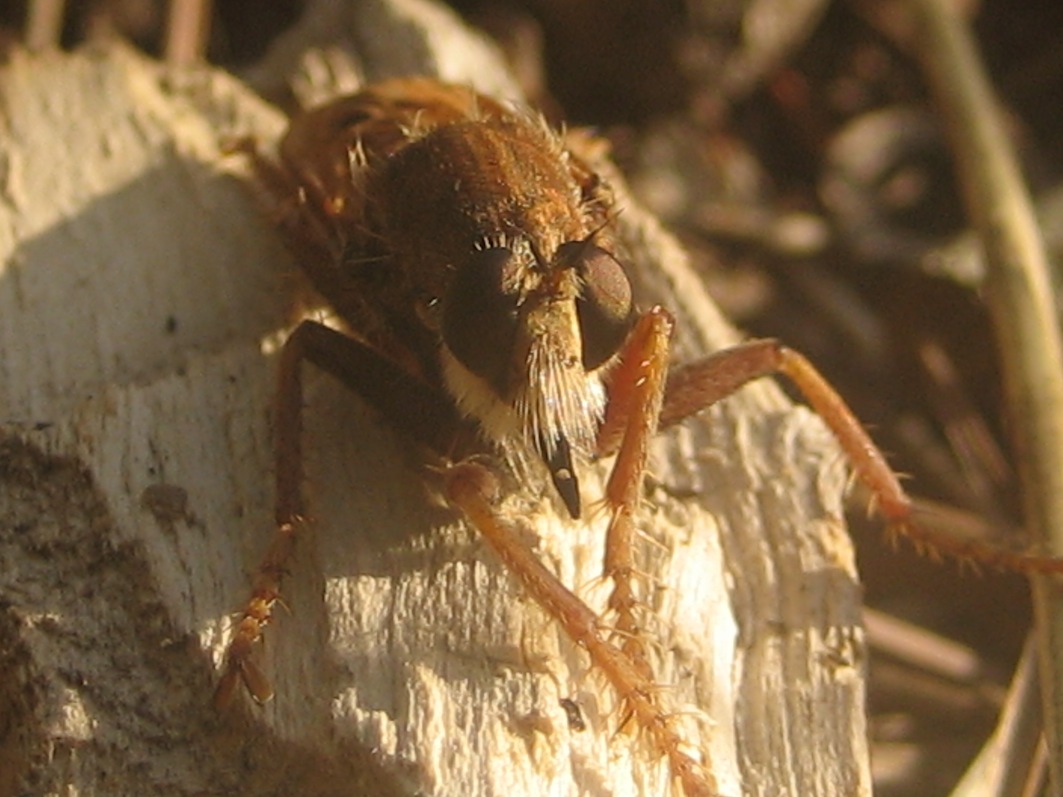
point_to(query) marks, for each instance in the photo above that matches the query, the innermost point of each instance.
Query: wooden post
(139, 292)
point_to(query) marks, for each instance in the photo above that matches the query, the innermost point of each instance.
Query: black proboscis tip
(563, 476)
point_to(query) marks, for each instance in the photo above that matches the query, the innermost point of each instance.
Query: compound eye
(480, 315)
(604, 307)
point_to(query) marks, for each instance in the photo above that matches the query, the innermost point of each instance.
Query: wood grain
(140, 289)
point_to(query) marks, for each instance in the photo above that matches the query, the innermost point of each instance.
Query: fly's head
(528, 331)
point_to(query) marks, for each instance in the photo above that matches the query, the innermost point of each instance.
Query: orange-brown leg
(405, 401)
(636, 388)
(474, 489)
(691, 388)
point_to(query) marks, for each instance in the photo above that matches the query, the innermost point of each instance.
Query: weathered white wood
(137, 286)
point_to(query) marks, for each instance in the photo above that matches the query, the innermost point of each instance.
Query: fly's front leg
(691, 388)
(402, 399)
(636, 387)
(473, 488)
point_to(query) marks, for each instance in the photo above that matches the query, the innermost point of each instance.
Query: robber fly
(469, 250)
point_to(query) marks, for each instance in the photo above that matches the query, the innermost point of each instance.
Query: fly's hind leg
(691, 388)
(405, 401)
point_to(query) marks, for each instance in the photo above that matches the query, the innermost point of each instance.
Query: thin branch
(1008, 759)
(1020, 301)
